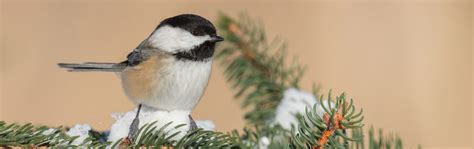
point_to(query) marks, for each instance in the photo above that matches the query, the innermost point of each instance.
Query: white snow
(296, 101)
(149, 115)
(81, 130)
(49, 131)
(205, 124)
(263, 143)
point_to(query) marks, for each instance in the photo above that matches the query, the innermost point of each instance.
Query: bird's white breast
(180, 85)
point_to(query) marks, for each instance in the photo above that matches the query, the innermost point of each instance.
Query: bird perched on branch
(169, 70)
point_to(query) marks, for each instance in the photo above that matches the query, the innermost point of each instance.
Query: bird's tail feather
(93, 66)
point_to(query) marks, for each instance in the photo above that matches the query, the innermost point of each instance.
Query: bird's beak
(216, 38)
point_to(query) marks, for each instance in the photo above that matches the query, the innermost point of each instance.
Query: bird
(168, 70)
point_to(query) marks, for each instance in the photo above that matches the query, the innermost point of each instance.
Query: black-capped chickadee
(169, 70)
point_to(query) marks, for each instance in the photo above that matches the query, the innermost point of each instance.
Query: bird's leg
(192, 124)
(134, 126)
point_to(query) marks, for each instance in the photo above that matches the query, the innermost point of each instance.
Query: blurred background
(407, 63)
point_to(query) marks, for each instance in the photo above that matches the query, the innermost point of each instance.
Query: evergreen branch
(327, 131)
(152, 137)
(308, 134)
(382, 142)
(256, 73)
(31, 136)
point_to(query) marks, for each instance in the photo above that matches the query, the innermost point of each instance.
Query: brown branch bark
(332, 127)
(246, 51)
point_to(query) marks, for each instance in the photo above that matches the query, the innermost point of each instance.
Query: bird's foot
(133, 130)
(192, 124)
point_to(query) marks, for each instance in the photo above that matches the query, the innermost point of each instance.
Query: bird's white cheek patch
(173, 39)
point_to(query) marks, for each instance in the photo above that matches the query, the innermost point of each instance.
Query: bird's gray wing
(140, 54)
(135, 57)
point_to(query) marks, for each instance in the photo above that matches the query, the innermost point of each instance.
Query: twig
(246, 52)
(332, 126)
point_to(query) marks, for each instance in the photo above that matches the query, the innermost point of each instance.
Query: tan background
(407, 63)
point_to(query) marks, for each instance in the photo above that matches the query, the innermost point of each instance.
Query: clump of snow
(296, 101)
(205, 124)
(149, 115)
(81, 130)
(263, 143)
(49, 131)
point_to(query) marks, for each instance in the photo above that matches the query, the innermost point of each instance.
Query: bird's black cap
(195, 24)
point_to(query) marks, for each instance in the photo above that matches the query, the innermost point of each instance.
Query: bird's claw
(192, 124)
(133, 130)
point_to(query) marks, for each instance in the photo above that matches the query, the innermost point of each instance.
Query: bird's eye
(196, 32)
